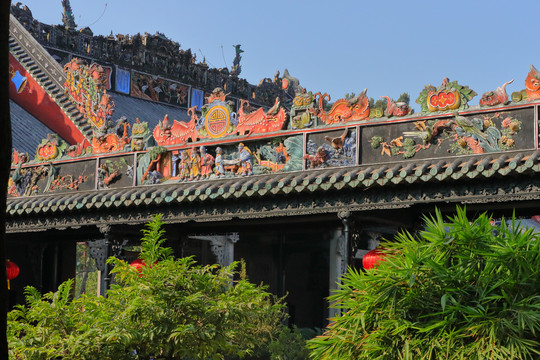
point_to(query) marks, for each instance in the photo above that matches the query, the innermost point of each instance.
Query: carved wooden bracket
(98, 252)
(222, 246)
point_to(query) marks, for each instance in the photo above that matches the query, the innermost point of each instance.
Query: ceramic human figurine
(207, 161)
(195, 164)
(184, 165)
(176, 158)
(219, 170)
(245, 160)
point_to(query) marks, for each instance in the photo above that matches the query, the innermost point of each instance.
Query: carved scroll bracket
(222, 246)
(117, 248)
(97, 252)
(374, 239)
(105, 229)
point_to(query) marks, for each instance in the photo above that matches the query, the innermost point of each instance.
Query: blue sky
(388, 47)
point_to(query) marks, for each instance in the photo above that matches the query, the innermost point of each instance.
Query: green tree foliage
(86, 272)
(460, 290)
(404, 98)
(379, 104)
(172, 309)
(289, 345)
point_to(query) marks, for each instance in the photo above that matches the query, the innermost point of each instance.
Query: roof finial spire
(237, 68)
(67, 15)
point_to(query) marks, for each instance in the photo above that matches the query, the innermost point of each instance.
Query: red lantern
(372, 258)
(138, 264)
(12, 271)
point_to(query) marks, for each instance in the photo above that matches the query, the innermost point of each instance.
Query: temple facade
(297, 186)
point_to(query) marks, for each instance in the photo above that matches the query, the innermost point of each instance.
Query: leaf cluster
(404, 97)
(172, 309)
(460, 290)
(290, 344)
(379, 104)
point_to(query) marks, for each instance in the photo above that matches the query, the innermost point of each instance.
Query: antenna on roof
(100, 16)
(223, 55)
(204, 57)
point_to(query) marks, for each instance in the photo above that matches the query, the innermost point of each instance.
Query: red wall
(35, 100)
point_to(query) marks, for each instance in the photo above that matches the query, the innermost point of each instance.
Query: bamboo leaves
(462, 289)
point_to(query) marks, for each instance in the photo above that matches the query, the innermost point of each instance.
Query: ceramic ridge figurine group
(217, 119)
(252, 141)
(189, 165)
(192, 164)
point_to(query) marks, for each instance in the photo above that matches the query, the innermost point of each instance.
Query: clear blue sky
(388, 47)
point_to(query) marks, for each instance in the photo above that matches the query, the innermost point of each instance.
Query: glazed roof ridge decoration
(196, 192)
(448, 96)
(311, 150)
(85, 85)
(218, 120)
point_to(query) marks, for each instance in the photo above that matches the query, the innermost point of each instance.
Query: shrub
(289, 345)
(460, 290)
(172, 309)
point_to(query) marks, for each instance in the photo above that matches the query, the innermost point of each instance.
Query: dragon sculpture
(532, 84)
(343, 110)
(178, 132)
(496, 97)
(396, 108)
(258, 121)
(110, 142)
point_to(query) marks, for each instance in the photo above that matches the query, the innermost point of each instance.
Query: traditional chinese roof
(272, 163)
(155, 54)
(149, 111)
(508, 177)
(26, 131)
(51, 78)
(45, 71)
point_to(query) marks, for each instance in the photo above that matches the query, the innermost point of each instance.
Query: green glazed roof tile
(314, 181)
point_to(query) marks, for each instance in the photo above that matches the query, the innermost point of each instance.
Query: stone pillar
(339, 256)
(99, 251)
(344, 244)
(335, 266)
